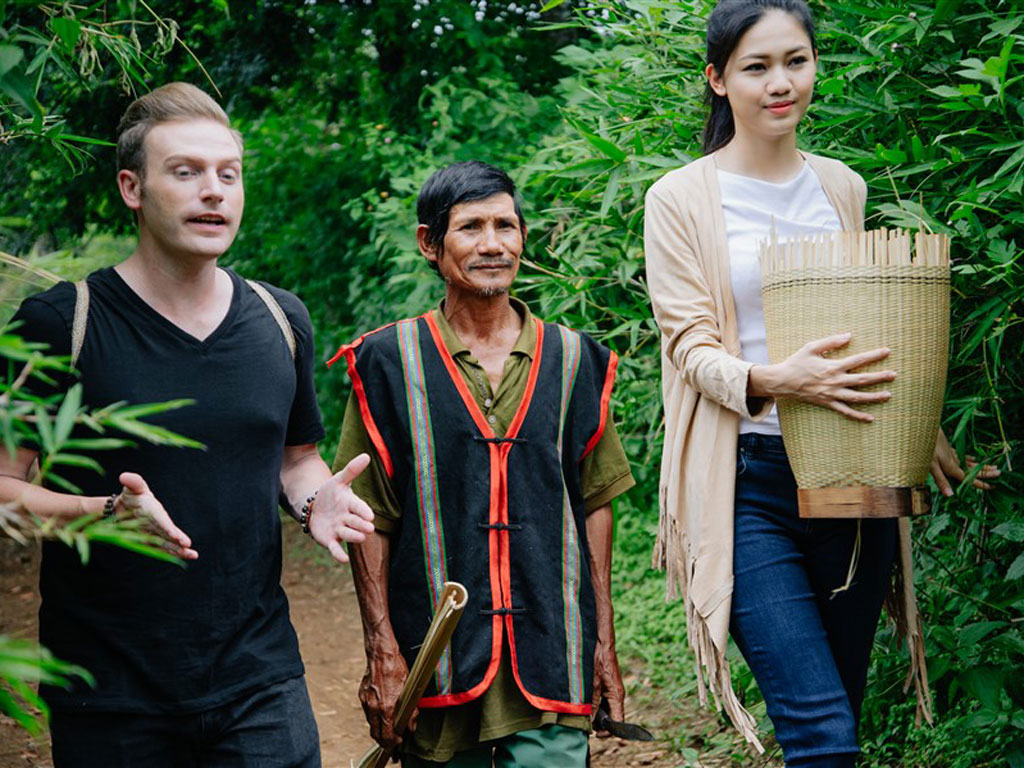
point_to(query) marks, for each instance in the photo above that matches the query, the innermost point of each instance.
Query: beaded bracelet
(306, 514)
(110, 504)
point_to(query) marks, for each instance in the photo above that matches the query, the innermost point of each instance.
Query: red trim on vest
(531, 384)
(606, 396)
(348, 351)
(500, 572)
(344, 347)
(364, 410)
(456, 377)
(548, 705)
(454, 699)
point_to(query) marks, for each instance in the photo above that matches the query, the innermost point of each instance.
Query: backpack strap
(80, 321)
(81, 318)
(278, 313)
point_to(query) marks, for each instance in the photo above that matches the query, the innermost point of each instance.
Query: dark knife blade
(620, 730)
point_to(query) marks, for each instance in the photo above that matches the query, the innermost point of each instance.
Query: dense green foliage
(347, 108)
(26, 419)
(925, 102)
(67, 47)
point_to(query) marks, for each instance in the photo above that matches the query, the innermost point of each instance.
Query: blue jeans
(271, 727)
(808, 647)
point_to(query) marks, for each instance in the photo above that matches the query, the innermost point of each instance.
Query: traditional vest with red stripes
(502, 515)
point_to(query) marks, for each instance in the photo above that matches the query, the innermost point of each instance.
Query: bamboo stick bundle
(449, 610)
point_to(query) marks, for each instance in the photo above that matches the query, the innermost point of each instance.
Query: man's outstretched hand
(137, 500)
(338, 514)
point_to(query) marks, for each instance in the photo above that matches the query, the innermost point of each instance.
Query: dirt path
(324, 612)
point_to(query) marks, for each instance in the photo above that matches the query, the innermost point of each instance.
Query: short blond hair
(174, 101)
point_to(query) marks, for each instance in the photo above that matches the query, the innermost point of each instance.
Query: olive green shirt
(605, 474)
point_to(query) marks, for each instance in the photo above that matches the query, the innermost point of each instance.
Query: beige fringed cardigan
(704, 385)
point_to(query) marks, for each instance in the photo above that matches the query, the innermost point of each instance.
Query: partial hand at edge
(339, 515)
(608, 683)
(137, 499)
(946, 464)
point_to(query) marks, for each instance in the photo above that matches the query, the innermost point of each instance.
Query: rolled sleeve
(605, 473)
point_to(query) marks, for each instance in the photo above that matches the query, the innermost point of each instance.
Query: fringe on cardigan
(901, 605)
(670, 555)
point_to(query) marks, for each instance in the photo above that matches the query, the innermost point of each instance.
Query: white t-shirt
(796, 207)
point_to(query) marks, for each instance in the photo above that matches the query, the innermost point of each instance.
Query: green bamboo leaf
(605, 147)
(67, 485)
(73, 460)
(22, 667)
(134, 545)
(10, 437)
(149, 409)
(659, 161)
(44, 426)
(550, 4)
(610, 191)
(82, 545)
(22, 92)
(68, 30)
(152, 433)
(1013, 161)
(78, 524)
(1016, 569)
(996, 308)
(86, 140)
(1012, 530)
(13, 709)
(96, 444)
(10, 57)
(66, 415)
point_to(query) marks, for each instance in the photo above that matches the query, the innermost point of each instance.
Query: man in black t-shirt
(196, 665)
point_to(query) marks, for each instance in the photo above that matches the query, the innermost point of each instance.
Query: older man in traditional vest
(494, 463)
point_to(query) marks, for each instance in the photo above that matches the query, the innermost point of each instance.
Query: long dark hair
(727, 24)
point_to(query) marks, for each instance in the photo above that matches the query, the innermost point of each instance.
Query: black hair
(457, 183)
(726, 25)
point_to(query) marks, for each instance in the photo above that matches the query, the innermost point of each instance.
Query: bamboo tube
(450, 606)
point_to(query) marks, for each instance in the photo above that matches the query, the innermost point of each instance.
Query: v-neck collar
(141, 305)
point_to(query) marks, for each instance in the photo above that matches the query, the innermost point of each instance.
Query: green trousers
(550, 746)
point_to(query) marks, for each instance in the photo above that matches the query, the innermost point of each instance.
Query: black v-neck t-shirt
(159, 638)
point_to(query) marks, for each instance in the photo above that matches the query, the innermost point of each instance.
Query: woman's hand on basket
(826, 381)
(946, 464)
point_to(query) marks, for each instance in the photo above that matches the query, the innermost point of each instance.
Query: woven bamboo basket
(889, 289)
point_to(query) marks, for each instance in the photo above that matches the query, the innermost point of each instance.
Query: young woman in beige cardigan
(730, 535)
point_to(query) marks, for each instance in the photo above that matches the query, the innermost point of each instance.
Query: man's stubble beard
(486, 293)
